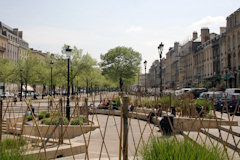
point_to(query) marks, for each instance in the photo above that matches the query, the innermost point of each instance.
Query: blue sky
(99, 25)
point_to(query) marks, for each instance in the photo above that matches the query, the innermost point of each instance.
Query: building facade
(15, 44)
(233, 49)
(3, 44)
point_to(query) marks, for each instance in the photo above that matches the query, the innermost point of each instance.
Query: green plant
(166, 148)
(210, 116)
(202, 103)
(29, 118)
(12, 149)
(11, 143)
(54, 121)
(77, 120)
(43, 114)
(48, 114)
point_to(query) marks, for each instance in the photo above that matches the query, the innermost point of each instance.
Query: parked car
(231, 100)
(232, 90)
(197, 91)
(186, 90)
(214, 96)
(7, 95)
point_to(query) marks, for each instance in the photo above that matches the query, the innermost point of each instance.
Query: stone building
(233, 49)
(208, 58)
(153, 76)
(15, 43)
(187, 64)
(3, 44)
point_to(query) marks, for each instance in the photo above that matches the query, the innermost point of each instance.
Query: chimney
(222, 30)
(15, 31)
(204, 35)
(194, 35)
(20, 34)
(176, 44)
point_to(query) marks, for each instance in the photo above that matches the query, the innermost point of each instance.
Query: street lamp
(160, 49)
(68, 53)
(21, 84)
(226, 73)
(145, 66)
(51, 63)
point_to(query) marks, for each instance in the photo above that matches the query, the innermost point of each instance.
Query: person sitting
(130, 107)
(159, 110)
(104, 102)
(173, 111)
(115, 105)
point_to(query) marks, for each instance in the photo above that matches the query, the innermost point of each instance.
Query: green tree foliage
(121, 63)
(6, 70)
(118, 62)
(30, 68)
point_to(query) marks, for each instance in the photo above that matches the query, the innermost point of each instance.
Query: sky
(99, 25)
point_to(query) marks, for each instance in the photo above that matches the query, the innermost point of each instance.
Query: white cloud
(134, 29)
(212, 23)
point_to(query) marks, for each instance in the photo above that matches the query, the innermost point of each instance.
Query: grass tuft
(166, 148)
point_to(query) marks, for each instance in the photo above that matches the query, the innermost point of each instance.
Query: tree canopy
(121, 63)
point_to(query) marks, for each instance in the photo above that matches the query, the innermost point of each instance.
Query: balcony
(2, 49)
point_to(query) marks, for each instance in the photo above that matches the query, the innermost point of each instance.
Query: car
(197, 91)
(186, 90)
(213, 96)
(232, 90)
(231, 100)
(7, 95)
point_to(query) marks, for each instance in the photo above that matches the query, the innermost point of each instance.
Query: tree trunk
(26, 91)
(121, 84)
(4, 90)
(72, 88)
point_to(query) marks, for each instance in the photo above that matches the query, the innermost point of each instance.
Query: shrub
(200, 103)
(47, 115)
(117, 99)
(43, 114)
(210, 116)
(54, 121)
(76, 120)
(12, 149)
(9, 143)
(166, 149)
(29, 118)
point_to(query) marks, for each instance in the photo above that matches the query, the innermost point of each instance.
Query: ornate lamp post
(145, 66)
(21, 84)
(160, 49)
(51, 64)
(68, 53)
(226, 73)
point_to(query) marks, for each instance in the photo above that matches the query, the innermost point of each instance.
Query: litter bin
(165, 125)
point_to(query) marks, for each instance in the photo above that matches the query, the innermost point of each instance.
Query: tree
(121, 63)
(6, 71)
(29, 69)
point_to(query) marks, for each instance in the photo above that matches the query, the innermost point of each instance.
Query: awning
(29, 88)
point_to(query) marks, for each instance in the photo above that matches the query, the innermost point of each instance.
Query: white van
(232, 90)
